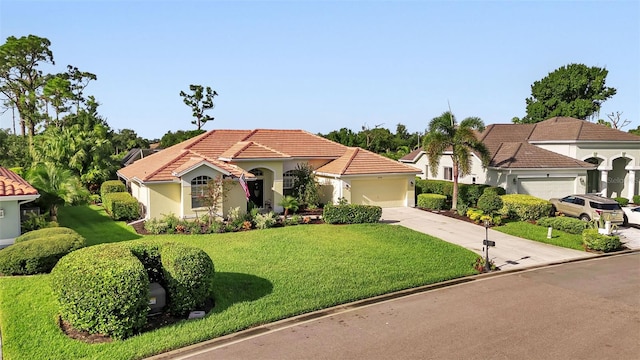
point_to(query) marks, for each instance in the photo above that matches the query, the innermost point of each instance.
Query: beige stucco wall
(330, 189)
(10, 224)
(164, 199)
(563, 149)
(477, 172)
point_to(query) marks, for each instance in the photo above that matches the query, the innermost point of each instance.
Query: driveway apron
(510, 252)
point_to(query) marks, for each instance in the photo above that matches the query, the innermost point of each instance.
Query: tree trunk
(454, 196)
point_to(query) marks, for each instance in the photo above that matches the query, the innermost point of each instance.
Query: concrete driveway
(630, 236)
(510, 252)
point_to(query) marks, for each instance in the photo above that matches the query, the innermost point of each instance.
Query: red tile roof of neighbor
(511, 146)
(227, 148)
(13, 185)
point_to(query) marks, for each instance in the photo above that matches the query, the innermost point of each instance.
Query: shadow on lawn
(95, 225)
(230, 288)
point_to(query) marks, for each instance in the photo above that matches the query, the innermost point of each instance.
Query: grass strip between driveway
(261, 276)
(538, 233)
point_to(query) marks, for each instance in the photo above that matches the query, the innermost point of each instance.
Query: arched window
(198, 185)
(256, 172)
(288, 179)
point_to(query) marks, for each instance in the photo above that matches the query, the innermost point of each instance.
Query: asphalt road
(582, 310)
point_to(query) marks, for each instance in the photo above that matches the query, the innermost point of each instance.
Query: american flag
(243, 183)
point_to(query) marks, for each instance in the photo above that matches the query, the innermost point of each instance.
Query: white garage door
(379, 192)
(546, 188)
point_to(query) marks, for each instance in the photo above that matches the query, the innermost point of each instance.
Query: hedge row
(432, 201)
(121, 206)
(636, 199)
(105, 288)
(593, 240)
(111, 186)
(563, 223)
(38, 255)
(524, 207)
(467, 193)
(351, 214)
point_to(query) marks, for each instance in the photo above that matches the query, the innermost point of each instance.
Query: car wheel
(553, 211)
(625, 221)
(585, 217)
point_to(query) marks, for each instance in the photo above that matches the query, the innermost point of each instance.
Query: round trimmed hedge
(38, 255)
(44, 233)
(432, 201)
(105, 289)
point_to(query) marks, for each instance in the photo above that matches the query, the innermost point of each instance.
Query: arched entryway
(260, 188)
(594, 183)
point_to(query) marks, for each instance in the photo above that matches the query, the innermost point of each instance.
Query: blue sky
(324, 65)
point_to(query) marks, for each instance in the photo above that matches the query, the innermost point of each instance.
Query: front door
(256, 193)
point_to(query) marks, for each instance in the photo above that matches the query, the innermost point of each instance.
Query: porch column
(631, 184)
(604, 179)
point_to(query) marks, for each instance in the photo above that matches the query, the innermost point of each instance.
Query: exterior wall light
(1, 213)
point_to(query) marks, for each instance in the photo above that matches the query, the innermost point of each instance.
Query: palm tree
(446, 135)
(289, 203)
(56, 186)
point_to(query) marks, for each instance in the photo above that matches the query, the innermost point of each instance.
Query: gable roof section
(522, 155)
(11, 184)
(413, 156)
(250, 150)
(570, 129)
(356, 161)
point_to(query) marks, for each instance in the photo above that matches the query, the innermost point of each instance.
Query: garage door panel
(546, 188)
(380, 192)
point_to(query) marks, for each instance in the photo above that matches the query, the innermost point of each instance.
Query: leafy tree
(171, 138)
(21, 82)
(213, 195)
(445, 134)
(200, 100)
(15, 150)
(57, 91)
(57, 187)
(305, 186)
(343, 136)
(126, 139)
(635, 131)
(574, 90)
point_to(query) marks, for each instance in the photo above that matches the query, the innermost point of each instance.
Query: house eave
(30, 197)
(366, 175)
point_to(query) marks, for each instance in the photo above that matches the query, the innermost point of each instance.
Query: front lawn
(261, 276)
(95, 225)
(530, 231)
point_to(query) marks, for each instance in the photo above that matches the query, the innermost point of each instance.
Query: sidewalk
(510, 252)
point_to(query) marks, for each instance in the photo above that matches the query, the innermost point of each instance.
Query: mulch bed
(451, 214)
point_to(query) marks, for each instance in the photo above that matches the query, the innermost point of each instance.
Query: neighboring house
(169, 181)
(14, 191)
(552, 158)
(136, 154)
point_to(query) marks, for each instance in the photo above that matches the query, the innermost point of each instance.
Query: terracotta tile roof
(356, 161)
(13, 185)
(522, 155)
(570, 129)
(250, 150)
(219, 147)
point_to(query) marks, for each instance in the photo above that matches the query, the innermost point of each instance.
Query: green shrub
(495, 189)
(33, 222)
(265, 221)
(593, 240)
(38, 255)
(121, 206)
(439, 187)
(473, 193)
(461, 208)
(188, 272)
(105, 288)
(432, 201)
(351, 214)
(563, 223)
(102, 289)
(636, 199)
(44, 233)
(524, 207)
(622, 201)
(490, 202)
(111, 186)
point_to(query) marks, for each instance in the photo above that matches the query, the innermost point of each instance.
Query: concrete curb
(307, 317)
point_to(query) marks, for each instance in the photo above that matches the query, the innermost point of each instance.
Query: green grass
(261, 276)
(95, 225)
(530, 231)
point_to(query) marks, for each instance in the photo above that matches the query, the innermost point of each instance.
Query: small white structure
(14, 191)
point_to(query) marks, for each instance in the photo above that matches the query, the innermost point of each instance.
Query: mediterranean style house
(553, 158)
(171, 180)
(14, 191)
